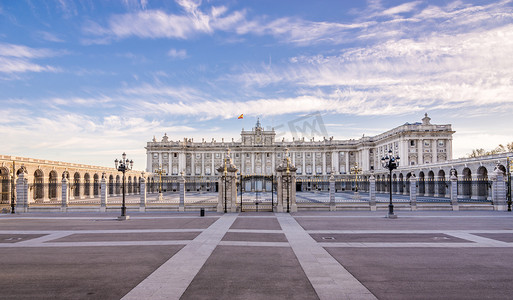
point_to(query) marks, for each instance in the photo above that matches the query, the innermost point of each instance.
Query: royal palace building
(258, 152)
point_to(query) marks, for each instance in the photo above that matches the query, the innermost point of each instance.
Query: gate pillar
(227, 195)
(181, 206)
(22, 193)
(333, 206)
(372, 192)
(286, 174)
(499, 190)
(454, 190)
(65, 194)
(103, 194)
(142, 184)
(413, 192)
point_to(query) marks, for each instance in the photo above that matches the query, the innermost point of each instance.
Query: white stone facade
(258, 152)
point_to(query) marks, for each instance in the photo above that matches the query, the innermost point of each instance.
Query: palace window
(441, 143)
(175, 154)
(412, 143)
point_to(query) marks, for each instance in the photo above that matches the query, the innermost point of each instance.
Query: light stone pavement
(172, 279)
(329, 279)
(327, 276)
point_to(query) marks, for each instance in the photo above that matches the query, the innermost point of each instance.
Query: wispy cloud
(179, 54)
(17, 59)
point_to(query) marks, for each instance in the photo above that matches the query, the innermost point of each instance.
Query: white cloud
(403, 8)
(468, 69)
(17, 59)
(11, 50)
(179, 54)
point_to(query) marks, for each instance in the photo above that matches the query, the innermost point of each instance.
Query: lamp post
(288, 183)
(123, 165)
(390, 162)
(225, 175)
(13, 187)
(509, 169)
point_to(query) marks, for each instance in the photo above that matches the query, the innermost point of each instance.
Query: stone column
(475, 186)
(413, 192)
(91, 187)
(103, 194)
(181, 206)
(65, 194)
(81, 191)
(372, 192)
(323, 163)
(499, 190)
(454, 191)
(142, 183)
(333, 205)
(437, 186)
(21, 193)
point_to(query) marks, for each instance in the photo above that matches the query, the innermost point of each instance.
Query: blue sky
(82, 81)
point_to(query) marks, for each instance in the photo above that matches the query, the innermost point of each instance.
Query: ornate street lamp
(390, 162)
(288, 182)
(13, 188)
(225, 177)
(509, 169)
(123, 165)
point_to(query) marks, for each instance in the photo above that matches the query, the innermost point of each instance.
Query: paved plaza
(305, 255)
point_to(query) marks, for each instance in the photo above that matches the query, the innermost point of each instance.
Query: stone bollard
(372, 193)
(454, 191)
(413, 192)
(142, 183)
(333, 205)
(21, 193)
(65, 194)
(103, 194)
(181, 207)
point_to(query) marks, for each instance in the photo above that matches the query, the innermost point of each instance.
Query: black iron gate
(256, 192)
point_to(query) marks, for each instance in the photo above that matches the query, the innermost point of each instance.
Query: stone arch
(65, 174)
(401, 183)
(111, 184)
(441, 183)
(53, 181)
(5, 187)
(76, 185)
(118, 185)
(129, 185)
(502, 168)
(38, 185)
(96, 185)
(87, 184)
(482, 183)
(407, 182)
(422, 184)
(466, 190)
(430, 183)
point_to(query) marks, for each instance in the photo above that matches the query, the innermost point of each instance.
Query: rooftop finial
(258, 123)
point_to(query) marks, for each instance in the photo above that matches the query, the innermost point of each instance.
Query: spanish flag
(241, 116)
